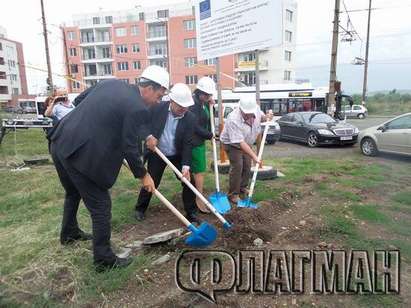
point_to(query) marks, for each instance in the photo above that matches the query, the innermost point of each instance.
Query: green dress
(198, 154)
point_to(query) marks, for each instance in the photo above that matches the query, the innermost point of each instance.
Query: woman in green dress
(203, 97)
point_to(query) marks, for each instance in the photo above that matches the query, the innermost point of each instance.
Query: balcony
(156, 56)
(156, 38)
(4, 82)
(98, 77)
(246, 66)
(95, 42)
(86, 24)
(97, 60)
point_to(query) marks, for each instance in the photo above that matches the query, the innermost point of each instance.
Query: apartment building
(13, 81)
(120, 44)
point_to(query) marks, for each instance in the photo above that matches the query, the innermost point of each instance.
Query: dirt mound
(249, 224)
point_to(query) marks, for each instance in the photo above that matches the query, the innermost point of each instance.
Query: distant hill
(399, 91)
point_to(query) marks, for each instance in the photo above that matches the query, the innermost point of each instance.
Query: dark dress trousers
(88, 147)
(183, 145)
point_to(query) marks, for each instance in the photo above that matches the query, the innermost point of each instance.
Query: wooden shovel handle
(172, 208)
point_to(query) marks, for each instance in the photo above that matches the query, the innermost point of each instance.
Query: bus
(284, 98)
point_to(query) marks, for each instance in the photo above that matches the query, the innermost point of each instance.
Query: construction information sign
(231, 26)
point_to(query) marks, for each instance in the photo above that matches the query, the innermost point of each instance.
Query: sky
(389, 55)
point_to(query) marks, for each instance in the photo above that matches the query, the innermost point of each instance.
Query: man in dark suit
(88, 147)
(173, 126)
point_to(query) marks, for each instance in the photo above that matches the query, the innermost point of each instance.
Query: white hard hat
(207, 85)
(181, 94)
(157, 74)
(248, 104)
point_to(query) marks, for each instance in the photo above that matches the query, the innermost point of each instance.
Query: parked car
(27, 105)
(355, 111)
(316, 128)
(392, 136)
(12, 109)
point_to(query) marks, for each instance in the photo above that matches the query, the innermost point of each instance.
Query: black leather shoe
(140, 216)
(193, 218)
(80, 236)
(102, 266)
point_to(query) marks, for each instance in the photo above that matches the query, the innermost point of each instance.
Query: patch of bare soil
(288, 222)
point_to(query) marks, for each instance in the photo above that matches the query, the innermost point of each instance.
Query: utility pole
(364, 86)
(67, 60)
(333, 67)
(46, 44)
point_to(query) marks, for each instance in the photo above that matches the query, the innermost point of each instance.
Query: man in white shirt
(240, 132)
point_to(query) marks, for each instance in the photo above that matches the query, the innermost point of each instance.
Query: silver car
(355, 111)
(393, 136)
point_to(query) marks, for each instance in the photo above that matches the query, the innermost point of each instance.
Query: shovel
(226, 224)
(200, 237)
(218, 199)
(247, 201)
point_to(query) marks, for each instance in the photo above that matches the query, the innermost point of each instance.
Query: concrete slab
(163, 236)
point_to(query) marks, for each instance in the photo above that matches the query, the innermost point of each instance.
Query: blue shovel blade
(247, 203)
(202, 236)
(220, 202)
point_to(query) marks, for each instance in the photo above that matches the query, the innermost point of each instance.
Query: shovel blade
(202, 236)
(247, 203)
(220, 202)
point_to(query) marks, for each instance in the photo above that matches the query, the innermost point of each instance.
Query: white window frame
(211, 61)
(137, 65)
(287, 55)
(121, 48)
(135, 30)
(108, 19)
(190, 43)
(190, 61)
(71, 35)
(122, 66)
(287, 75)
(121, 31)
(73, 52)
(136, 47)
(191, 79)
(289, 15)
(189, 25)
(288, 36)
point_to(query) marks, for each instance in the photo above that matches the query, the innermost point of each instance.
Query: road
(299, 150)
(368, 122)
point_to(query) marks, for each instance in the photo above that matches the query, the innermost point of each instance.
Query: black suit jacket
(103, 130)
(202, 130)
(184, 130)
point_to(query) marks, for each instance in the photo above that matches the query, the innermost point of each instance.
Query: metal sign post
(257, 90)
(223, 154)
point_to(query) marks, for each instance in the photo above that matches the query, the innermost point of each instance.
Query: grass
(36, 269)
(370, 213)
(30, 217)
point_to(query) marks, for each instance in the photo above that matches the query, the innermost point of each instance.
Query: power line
(379, 8)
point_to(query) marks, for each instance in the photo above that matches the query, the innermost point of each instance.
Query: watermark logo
(206, 272)
(281, 272)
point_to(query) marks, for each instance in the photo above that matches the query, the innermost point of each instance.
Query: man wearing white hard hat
(203, 98)
(172, 124)
(88, 146)
(241, 129)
